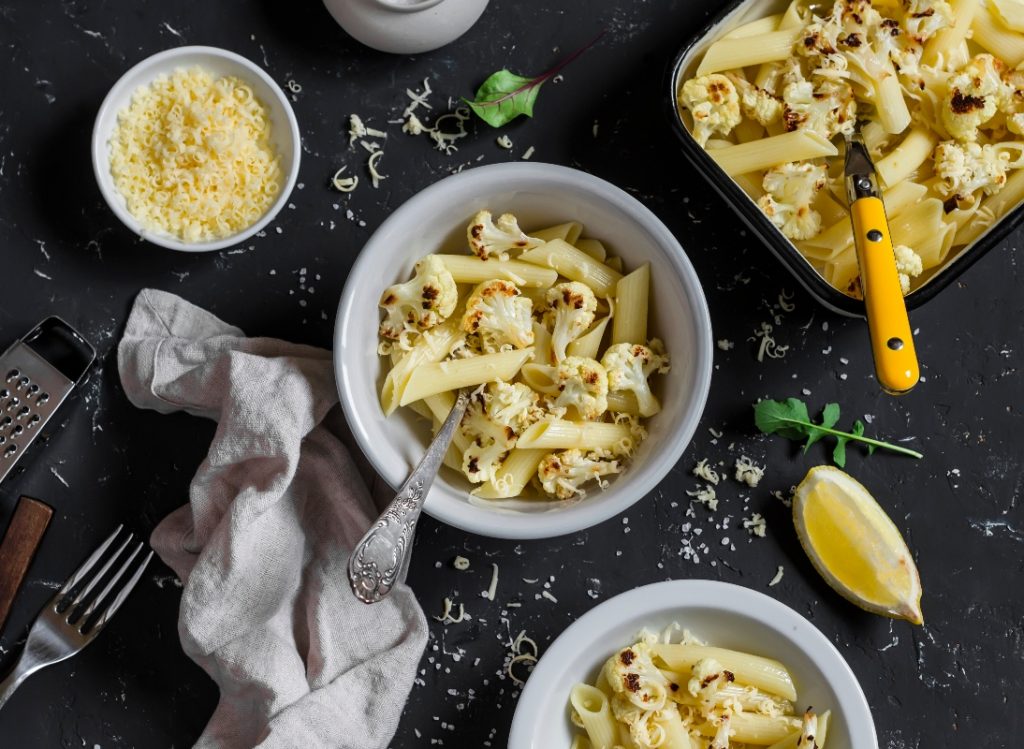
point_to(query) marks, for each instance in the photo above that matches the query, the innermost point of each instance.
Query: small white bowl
(538, 194)
(219, 62)
(723, 615)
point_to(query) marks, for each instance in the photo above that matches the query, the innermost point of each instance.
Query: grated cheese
(748, 472)
(192, 157)
(504, 141)
(344, 184)
(725, 344)
(706, 497)
(528, 153)
(294, 86)
(446, 615)
(755, 525)
(371, 164)
(493, 588)
(460, 563)
(356, 129)
(703, 471)
(777, 579)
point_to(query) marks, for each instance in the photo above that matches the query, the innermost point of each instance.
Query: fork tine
(110, 585)
(86, 565)
(84, 593)
(122, 594)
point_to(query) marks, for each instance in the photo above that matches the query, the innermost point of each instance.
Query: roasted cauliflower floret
(790, 190)
(826, 107)
(808, 731)
(500, 315)
(756, 103)
(570, 311)
(495, 238)
(513, 405)
(424, 301)
(965, 169)
(632, 674)
(491, 441)
(1013, 101)
(583, 385)
(908, 266)
(923, 18)
(562, 474)
(629, 365)
(714, 104)
(974, 95)
(708, 676)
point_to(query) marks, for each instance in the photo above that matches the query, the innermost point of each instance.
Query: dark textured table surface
(953, 683)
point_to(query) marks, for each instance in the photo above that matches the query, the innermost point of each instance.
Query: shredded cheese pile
(192, 156)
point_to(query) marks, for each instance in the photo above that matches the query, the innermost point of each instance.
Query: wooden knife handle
(24, 534)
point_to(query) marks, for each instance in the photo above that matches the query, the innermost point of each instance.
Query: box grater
(37, 374)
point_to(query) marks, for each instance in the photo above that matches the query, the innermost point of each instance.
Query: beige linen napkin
(273, 512)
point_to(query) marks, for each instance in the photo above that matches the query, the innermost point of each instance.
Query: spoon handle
(380, 555)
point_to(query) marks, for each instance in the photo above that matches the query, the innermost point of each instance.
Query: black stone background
(955, 682)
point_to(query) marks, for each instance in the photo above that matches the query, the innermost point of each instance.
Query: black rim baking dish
(764, 230)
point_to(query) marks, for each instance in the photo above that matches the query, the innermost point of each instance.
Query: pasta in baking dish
(655, 694)
(552, 337)
(937, 87)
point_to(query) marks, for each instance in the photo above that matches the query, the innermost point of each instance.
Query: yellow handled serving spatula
(892, 341)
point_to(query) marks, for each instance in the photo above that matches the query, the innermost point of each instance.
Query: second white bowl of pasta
(571, 313)
(692, 663)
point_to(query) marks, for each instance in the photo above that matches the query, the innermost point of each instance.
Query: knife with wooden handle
(24, 534)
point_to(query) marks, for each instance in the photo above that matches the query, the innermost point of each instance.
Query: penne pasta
(764, 673)
(437, 377)
(559, 434)
(798, 145)
(755, 28)
(575, 265)
(592, 247)
(591, 705)
(907, 157)
(513, 475)
(991, 35)
(432, 346)
(632, 303)
(729, 54)
(474, 270)
(568, 232)
(751, 728)
(940, 46)
(589, 344)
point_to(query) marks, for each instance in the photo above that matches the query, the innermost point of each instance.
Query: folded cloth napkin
(273, 512)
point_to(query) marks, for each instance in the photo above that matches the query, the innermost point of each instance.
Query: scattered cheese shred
(726, 345)
(493, 587)
(755, 525)
(344, 184)
(528, 153)
(192, 157)
(371, 164)
(460, 563)
(706, 497)
(549, 596)
(778, 577)
(446, 615)
(748, 472)
(504, 141)
(356, 129)
(768, 347)
(703, 471)
(294, 87)
(518, 656)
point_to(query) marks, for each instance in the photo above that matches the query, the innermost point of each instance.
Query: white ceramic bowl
(220, 62)
(538, 194)
(723, 615)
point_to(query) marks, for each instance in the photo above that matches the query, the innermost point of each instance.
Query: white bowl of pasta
(710, 647)
(528, 461)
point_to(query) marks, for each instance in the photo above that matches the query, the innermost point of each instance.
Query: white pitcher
(406, 26)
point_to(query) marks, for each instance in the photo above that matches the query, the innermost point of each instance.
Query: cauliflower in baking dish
(426, 300)
(570, 311)
(825, 106)
(922, 19)
(965, 169)
(629, 365)
(562, 474)
(756, 103)
(908, 266)
(582, 384)
(790, 190)
(973, 96)
(500, 315)
(714, 104)
(495, 238)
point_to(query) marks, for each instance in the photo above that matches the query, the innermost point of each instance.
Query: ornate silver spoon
(379, 557)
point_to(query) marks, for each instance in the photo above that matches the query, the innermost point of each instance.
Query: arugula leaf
(791, 420)
(505, 95)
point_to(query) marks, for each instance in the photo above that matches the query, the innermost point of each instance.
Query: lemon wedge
(855, 546)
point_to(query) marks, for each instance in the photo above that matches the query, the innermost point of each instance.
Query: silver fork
(60, 631)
